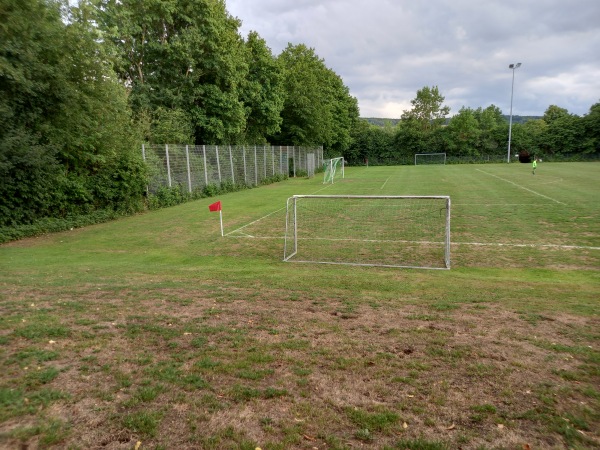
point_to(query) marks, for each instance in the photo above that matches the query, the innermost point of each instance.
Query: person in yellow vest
(533, 166)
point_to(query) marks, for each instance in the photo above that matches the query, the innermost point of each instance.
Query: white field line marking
(385, 182)
(238, 230)
(249, 236)
(494, 244)
(501, 204)
(519, 186)
(476, 244)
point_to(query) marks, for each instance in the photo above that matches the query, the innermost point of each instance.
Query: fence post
(187, 158)
(265, 159)
(294, 158)
(218, 163)
(273, 159)
(244, 157)
(255, 168)
(231, 163)
(168, 164)
(144, 158)
(205, 168)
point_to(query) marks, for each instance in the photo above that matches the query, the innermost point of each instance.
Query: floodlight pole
(513, 67)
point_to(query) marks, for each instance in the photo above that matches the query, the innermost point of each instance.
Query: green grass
(161, 330)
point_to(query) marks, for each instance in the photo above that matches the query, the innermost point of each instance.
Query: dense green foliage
(67, 144)
(82, 87)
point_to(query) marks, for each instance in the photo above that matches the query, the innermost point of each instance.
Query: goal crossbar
(410, 231)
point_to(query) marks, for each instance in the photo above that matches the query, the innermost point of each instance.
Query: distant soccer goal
(365, 230)
(430, 158)
(334, 169)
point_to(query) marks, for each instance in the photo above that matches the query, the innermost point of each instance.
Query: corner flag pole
(221, 220)
(217, 207)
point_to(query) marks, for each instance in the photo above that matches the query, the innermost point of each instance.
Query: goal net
(430, 158)
(334, 169)
(366, 230)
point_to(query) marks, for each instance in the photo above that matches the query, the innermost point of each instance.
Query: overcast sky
(386, 50)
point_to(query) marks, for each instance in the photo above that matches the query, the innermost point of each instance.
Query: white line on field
(500, 204)
(497, 244)
(475, 244)
(386, 180)
(249, 236)
(519, 186)
(238, 230)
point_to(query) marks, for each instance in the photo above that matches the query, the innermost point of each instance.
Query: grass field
(154, 332)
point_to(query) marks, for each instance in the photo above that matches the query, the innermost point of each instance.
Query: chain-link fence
(196, 166)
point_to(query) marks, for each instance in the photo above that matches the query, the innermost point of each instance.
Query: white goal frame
(331, 166)
(430, 154)
(291, 242)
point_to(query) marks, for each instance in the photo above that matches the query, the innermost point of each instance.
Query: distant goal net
(366, 230)
(430, 158)
(334, 170)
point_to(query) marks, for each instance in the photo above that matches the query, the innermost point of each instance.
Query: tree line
(82, 87)
(473, 135)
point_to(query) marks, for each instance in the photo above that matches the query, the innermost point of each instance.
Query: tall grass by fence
(196, 166)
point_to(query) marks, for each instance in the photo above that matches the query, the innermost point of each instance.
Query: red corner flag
(215, 206)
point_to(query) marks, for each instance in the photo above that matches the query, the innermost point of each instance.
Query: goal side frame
(330, 162)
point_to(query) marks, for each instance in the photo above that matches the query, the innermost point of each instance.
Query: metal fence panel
(195, 166)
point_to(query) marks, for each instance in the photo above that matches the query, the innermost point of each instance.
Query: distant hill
(522, 119)
(380, 122)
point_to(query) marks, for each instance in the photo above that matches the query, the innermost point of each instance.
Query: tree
(591, 123)
(464, 132)
(427, 109)
(183, 54)
(554, 113)
(411, 137)
(533, 135)
(493, 129)
(565, 135)
(318, 109)
(371, 143)
(67, 145)
(344, 114)
(263, 92)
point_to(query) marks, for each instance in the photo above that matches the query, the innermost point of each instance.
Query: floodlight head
(514, 66)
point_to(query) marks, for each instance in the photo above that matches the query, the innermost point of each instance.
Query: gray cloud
(386, 50)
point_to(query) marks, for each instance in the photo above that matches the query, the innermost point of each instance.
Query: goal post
(430, 158)
(369, 230)
(334, 169)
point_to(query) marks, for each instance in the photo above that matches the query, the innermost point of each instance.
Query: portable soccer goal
(430, 158)
(334, 169)
(367, 230)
